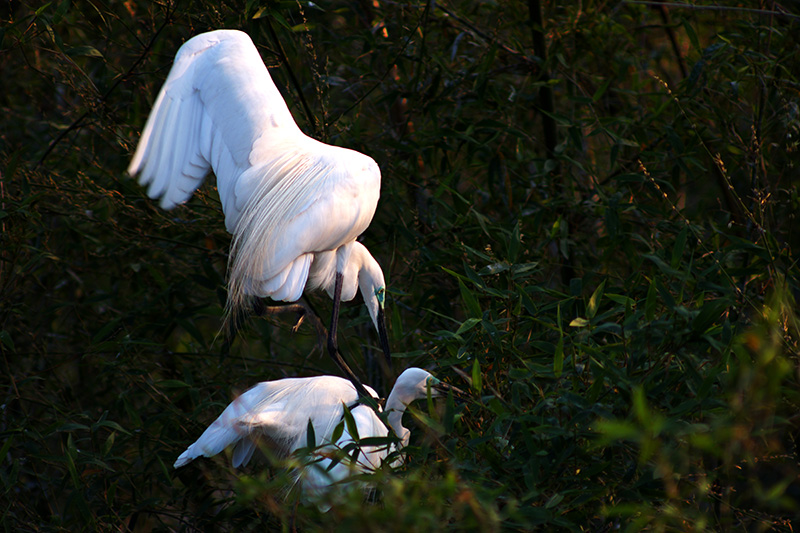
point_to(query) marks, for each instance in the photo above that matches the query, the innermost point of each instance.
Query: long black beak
(444, 388)
(387, 353)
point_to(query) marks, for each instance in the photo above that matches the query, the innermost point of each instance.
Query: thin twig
(713, 8)
(676, 49)
(391, 66)
(545, 92)
(77, 122)
(488, 38)
(292, 78)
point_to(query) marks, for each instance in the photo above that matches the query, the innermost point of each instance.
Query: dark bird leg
(333, 348)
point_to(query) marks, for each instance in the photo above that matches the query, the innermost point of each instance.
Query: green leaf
(691, 34)
(311, 438)
(5, 448)
(109, 443)
(86, 51)
(72, 426)
(514, 243)
(616, 430)
(664, 267)
(601, 90)
(471, 303)
(106, 331)
(677, 249)
(70, 455)
(467, 325)
(42, 8)
(302, 28)
(579, 323)
(350, 422)
(109, 424)
(6, 339)
(709, 313)
(594, 301)
(640, 405)
(337, 431)
(477, 377)
(60, 11)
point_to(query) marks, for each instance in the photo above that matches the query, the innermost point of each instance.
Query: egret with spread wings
(294, 205)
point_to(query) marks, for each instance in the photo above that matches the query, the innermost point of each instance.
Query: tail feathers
(243, 452)
(244, 415)
(216, 438)
(288, 285)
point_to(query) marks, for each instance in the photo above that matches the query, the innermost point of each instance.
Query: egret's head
(373, 290)
(413, 384)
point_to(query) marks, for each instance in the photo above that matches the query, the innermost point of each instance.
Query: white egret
(294, 205)
(278, 414)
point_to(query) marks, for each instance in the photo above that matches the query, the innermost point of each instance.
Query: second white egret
(278, 413)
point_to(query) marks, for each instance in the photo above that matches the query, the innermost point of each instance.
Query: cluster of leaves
(587, 220)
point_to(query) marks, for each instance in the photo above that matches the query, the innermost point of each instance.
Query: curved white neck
(395, 419)
(396, 408)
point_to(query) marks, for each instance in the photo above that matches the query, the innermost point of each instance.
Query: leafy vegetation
(590, 223)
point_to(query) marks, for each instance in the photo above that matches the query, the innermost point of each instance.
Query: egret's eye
(431, 381)
(380, 294)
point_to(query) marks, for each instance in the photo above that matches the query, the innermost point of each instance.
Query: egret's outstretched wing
(217, 109)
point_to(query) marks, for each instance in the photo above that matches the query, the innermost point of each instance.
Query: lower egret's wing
(236, 421)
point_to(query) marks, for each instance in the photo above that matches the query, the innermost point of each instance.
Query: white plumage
(294, 205)
(278, 413)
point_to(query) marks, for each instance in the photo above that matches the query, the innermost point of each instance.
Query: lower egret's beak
(444, 388)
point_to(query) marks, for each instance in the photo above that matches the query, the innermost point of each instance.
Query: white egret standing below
(294, 205)
(278, 414)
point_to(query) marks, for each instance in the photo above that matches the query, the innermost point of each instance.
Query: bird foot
(303, 313)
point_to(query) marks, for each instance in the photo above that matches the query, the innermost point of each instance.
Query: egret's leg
(333, 345)
(333, 348)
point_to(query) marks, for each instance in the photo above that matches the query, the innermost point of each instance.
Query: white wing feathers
(216, 103)
(319, 200)
(278, 411)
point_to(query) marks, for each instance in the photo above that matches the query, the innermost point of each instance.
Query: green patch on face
(380, 294)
